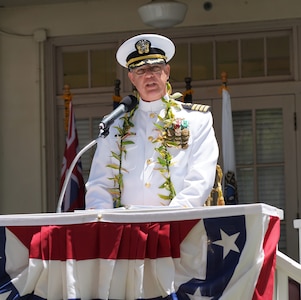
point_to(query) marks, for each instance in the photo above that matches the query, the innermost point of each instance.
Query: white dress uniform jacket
(192, 172)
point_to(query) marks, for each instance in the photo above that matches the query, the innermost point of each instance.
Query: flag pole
(67, 96)
(224, 79)
(187, 96)
(229, 164)
(75, 197)
(116, 97)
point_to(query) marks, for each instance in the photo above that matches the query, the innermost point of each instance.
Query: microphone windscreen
(129, 102)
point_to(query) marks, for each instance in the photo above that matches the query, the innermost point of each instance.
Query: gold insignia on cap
(143, 46)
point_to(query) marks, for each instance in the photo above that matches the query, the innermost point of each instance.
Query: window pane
(227, 58)
(243, 142)
(179, 65)
(103, 67)
(75, 69)
(245, 185)
(278, 55)
(243, 136)
(85, 135)
(269, 135)
(271, 189)
(252, 55)
(202, 61)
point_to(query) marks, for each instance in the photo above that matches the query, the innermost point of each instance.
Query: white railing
(287, 268)
(297, 225)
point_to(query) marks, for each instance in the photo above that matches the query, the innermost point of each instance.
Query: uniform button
(152, 115)
(147, 184)
(149, 161)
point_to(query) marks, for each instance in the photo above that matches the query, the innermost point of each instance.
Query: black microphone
(127, 104)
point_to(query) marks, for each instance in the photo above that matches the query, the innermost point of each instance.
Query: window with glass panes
(88, 67)
(250, 56)
(259, 152)
(94, 66)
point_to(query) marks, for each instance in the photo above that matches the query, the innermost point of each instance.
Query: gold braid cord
(216, 196)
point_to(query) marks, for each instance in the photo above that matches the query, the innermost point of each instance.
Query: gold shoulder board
(196, 107)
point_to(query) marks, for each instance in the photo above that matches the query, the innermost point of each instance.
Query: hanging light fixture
(163, 14)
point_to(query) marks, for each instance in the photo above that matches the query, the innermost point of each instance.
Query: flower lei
(164, 159)
(123, 133)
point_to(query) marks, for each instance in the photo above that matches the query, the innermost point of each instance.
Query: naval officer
(163, 152)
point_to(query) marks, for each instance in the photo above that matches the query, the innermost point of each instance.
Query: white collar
(152, 106)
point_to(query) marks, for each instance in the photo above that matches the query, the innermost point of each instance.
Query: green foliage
(124, 132)
(164, 159)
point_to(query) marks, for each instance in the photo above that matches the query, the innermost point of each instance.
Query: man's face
(150, 80)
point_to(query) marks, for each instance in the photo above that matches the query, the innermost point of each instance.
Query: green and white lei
(167, 137)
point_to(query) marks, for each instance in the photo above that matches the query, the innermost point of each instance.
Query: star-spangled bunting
(73, 259)
(227, 242)
(224, 235)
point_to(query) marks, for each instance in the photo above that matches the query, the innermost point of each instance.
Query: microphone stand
(103, 132)
(129, 104)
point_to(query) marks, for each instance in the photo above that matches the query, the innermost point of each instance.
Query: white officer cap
(145, 49)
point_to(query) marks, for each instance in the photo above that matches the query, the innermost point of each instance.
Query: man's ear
(131, 77)
(167, 70)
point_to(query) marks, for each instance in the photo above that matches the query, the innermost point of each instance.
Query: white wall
(94, 16)
(22, 162)
(20, 186)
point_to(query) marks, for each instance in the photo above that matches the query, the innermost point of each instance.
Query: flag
(229, 257)
(74, 197)
(229, 167)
